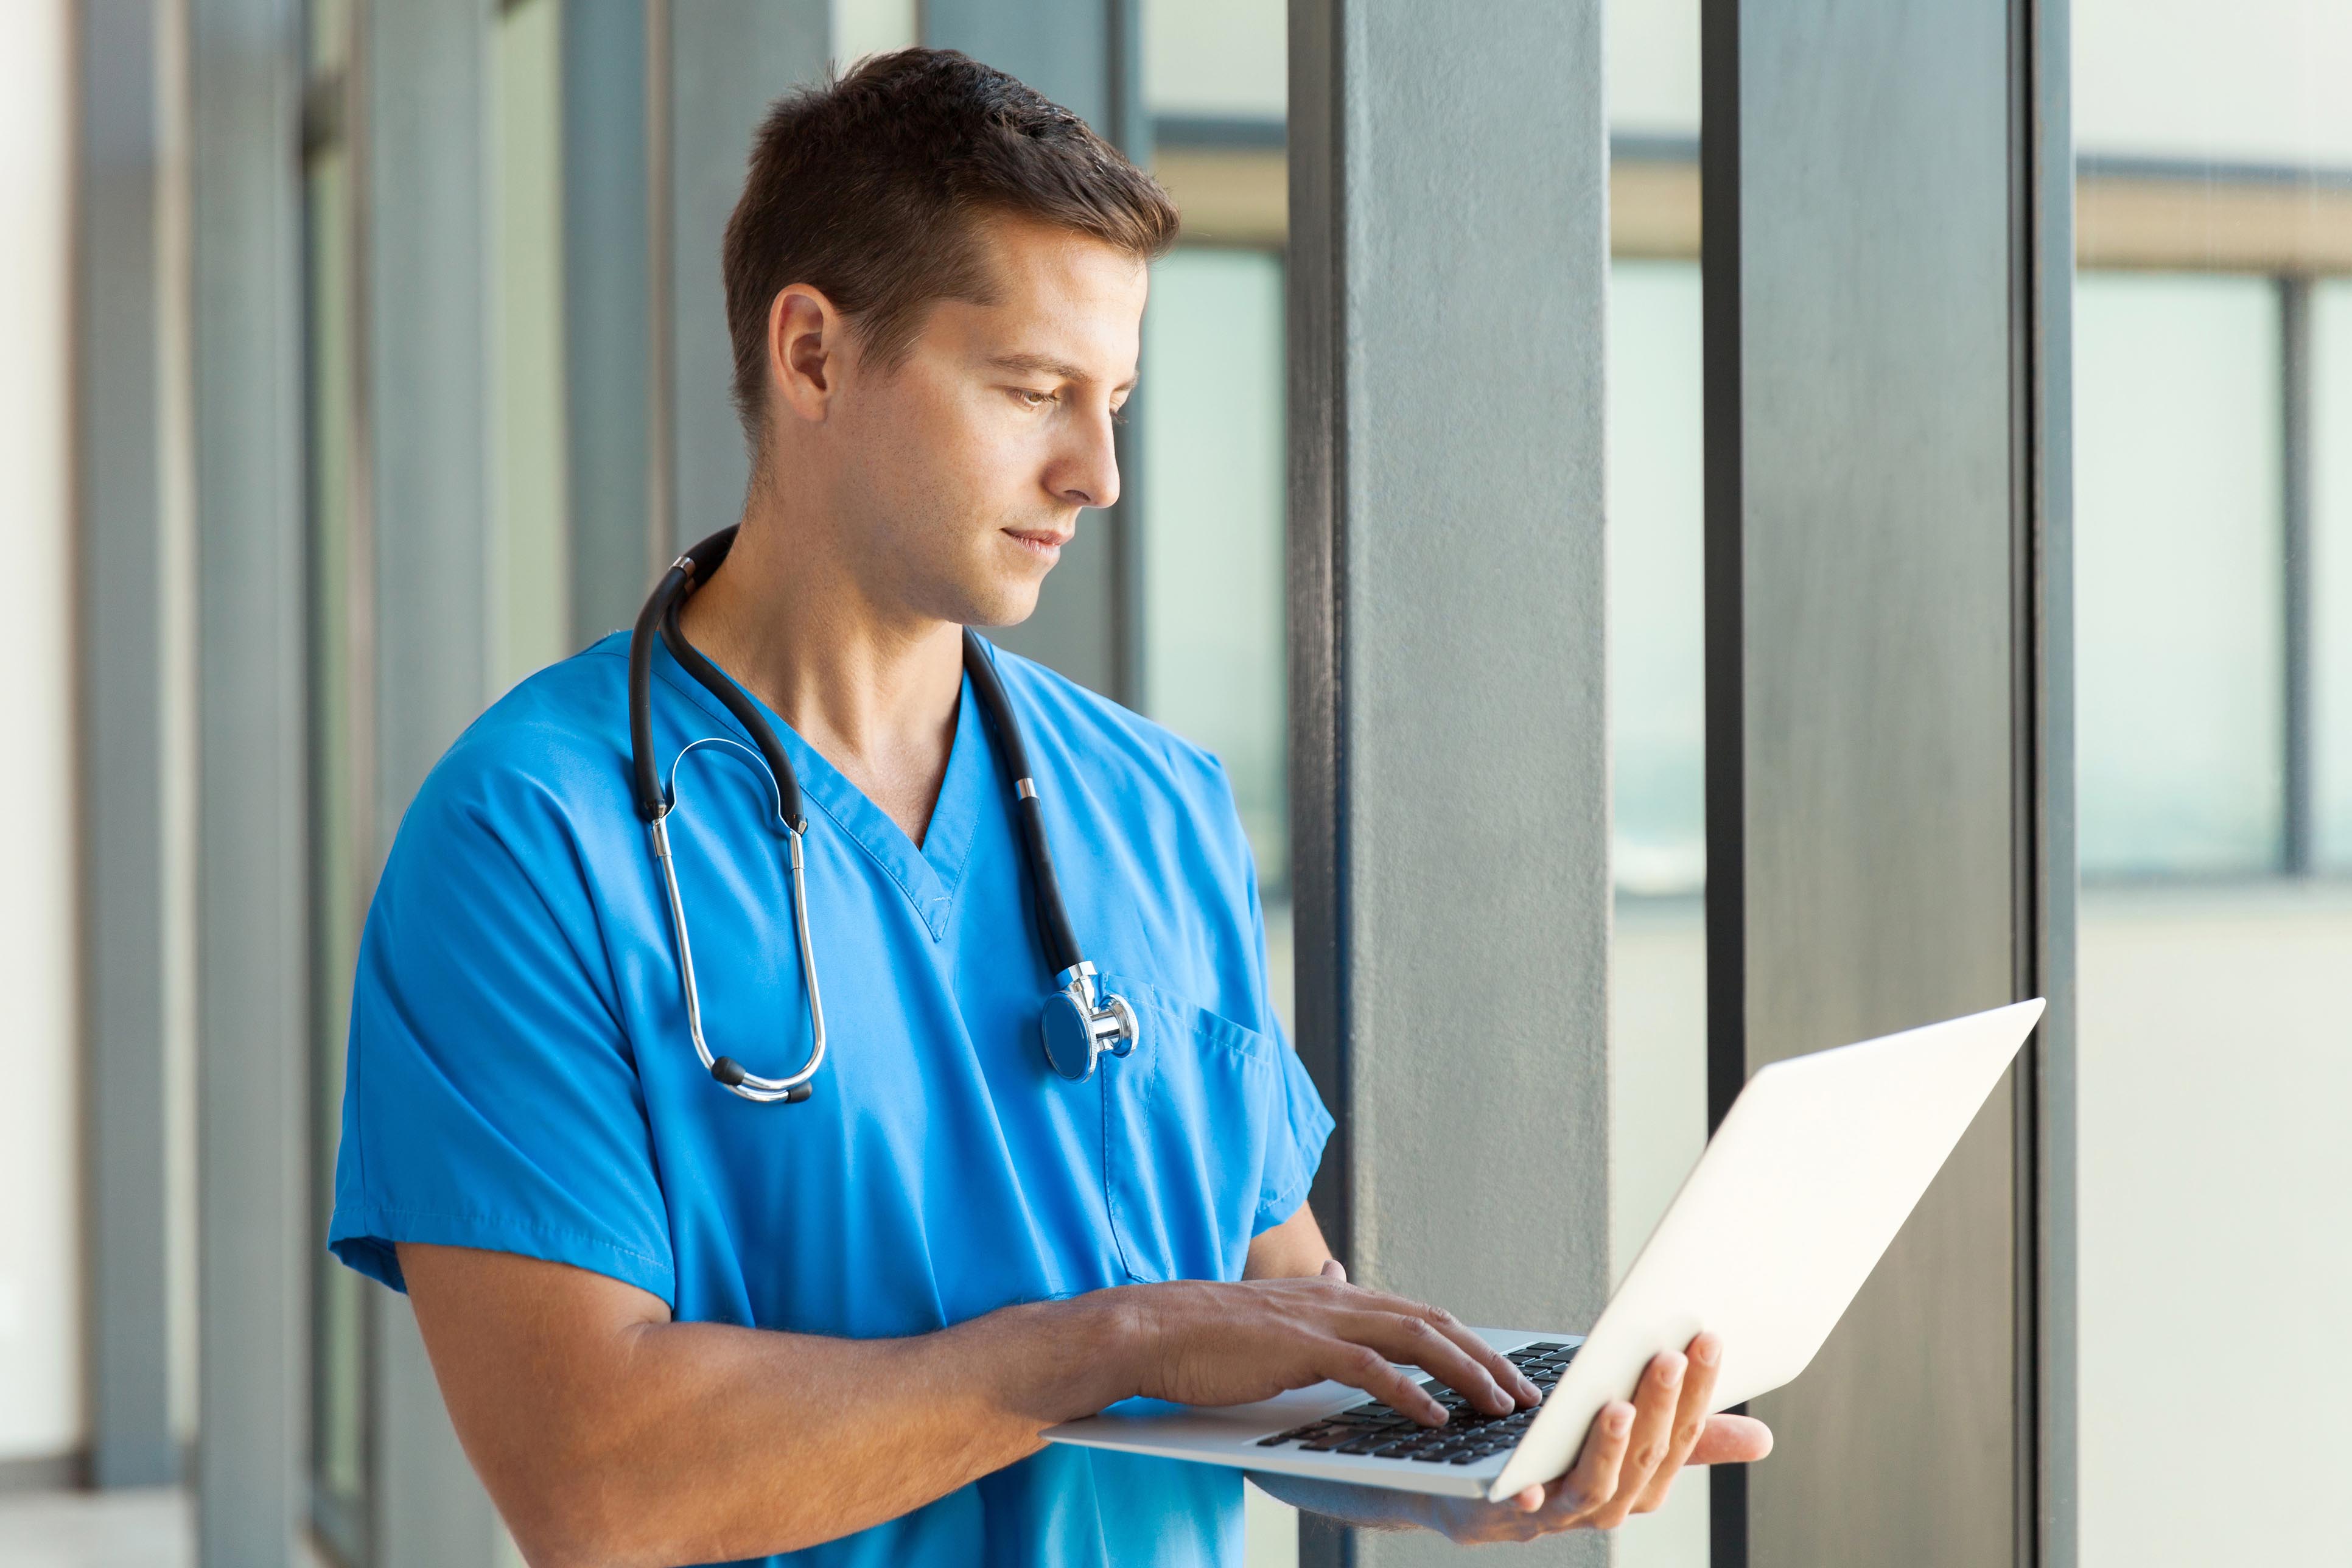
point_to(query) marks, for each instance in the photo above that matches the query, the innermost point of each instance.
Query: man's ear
(808, 340)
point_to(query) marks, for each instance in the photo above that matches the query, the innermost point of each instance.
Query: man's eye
(1030, 399)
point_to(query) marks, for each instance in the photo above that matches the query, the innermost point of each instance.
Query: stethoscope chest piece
(1077, 1031)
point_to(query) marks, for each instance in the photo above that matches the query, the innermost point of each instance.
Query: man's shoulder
(1113, 742)
(556, 742)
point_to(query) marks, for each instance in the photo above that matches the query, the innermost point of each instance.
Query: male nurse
(675, 1326)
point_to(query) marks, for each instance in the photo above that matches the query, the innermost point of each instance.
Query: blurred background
(511, 369)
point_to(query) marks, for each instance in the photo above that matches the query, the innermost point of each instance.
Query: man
(675, 1326)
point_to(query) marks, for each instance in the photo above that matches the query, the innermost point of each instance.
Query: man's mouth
(1042, 541)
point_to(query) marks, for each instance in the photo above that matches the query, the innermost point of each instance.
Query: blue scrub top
(520, 1078)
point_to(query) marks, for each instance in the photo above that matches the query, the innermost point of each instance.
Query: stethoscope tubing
(1089, 1026)
(749, 1085)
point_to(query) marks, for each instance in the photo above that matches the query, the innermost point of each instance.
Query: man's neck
(872, 687)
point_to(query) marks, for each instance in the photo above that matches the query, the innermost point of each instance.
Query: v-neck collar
(927, 876)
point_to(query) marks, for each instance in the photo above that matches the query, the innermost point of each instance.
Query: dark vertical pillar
(2042, 338)
(2298, 853)
(1877, 691)
(606, 298)
(1086, 55)
(1449, 788)
(245, 293)
(119, 430)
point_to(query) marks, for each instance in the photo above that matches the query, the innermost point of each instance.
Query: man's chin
(1001, 605)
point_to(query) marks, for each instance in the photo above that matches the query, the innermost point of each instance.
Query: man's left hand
(1631, 1454)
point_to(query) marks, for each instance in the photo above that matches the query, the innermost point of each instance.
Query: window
(2179, 542)
(2329, 564)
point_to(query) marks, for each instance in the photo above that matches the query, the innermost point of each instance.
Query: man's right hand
(609, 1434)
(1207, 1342)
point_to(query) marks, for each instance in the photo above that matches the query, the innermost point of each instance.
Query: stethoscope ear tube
(763, 735)
(1055, 932)
(645, 770)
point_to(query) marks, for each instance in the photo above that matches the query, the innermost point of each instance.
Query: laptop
(1798, 1195)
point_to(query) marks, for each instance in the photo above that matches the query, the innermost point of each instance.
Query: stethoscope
(1075, 1027)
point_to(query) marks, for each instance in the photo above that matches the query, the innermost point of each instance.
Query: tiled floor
(93, 1530)
(152, 1530)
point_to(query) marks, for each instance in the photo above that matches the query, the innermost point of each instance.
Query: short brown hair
(868, 188)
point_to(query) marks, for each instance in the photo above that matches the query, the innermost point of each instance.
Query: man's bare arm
(608, 1434)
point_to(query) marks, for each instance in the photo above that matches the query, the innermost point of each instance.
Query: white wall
(1652, 67)
(862, 27)
(1221, 57)
(2253, 80)
(41, 1410)
(2216, 1215)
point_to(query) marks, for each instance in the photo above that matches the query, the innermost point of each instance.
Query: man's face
(962, 469)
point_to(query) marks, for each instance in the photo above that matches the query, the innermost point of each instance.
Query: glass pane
(329, 31)
(1657, 642)
(1212, 474)
(2178, 541)
(1216, 59)
(341, 853)
(2331, 571)
(1657, 677)
(530, 558)
(2211, 1071)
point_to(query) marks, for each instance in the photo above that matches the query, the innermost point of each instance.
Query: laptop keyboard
(1468, 1436)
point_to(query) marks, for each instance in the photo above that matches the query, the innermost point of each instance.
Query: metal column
(245, 105)
(1450, 783)
(1885, 717)
(125, 767)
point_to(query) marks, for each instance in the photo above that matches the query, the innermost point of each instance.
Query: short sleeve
(490, 1098)
(1299, 1124)
(1297, 1133)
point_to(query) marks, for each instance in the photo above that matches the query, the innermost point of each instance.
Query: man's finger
(1593, 1479)
(1690, 1420)
(1516, 1385)
(1360, 1366)
(1413, 1339)
(1655, 1401)
(1334, 1269)
(1732, 1440)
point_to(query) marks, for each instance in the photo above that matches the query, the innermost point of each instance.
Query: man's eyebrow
(1039, 364)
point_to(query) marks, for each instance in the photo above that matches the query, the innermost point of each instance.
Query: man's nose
(1085, 473)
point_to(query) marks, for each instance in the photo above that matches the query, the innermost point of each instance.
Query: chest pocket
(1186, 1123)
